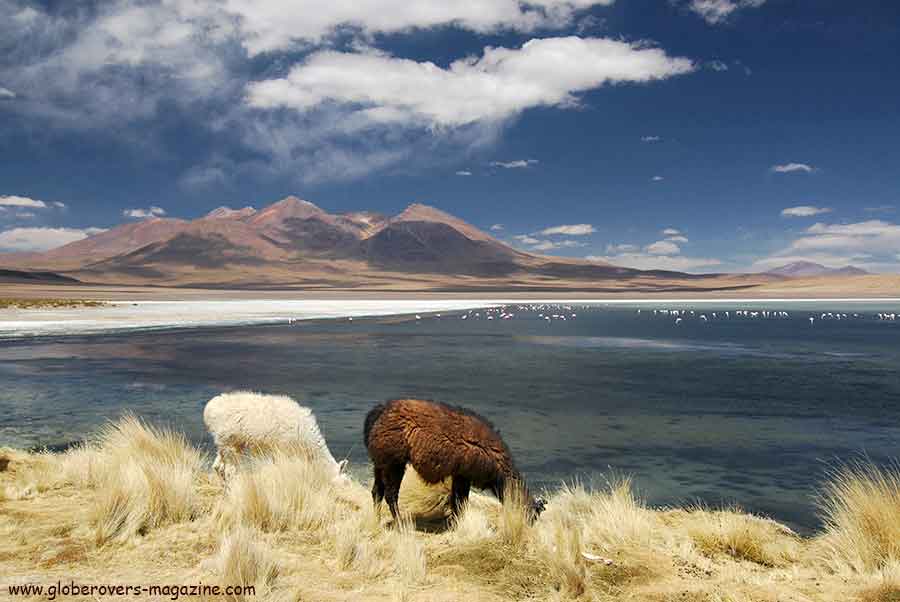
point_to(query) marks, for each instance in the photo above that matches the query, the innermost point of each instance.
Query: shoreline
(142, 315)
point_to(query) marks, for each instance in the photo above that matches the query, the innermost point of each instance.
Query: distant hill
(809, 269)
(26, 277)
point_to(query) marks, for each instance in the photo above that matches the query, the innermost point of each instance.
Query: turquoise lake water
(723, 410)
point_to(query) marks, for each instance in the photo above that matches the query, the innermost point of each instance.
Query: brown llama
(439, 441)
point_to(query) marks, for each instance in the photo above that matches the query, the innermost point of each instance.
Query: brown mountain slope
(104, 245)
(293, 242)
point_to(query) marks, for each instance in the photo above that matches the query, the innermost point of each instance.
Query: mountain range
(294, 243)
(809, 269)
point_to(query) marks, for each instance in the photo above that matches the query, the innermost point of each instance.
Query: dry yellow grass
(137, 505)
(861, 508)
(48, 303)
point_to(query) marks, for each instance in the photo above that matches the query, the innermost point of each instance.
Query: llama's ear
(342, 466)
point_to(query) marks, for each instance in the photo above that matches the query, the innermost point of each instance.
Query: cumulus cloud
(793, 167)
(645, 261)
(650, 139)
(498, 85)
(517, 164)
(129, 62)
(804, 211)
(663, 247)
(717, 65)
(24, 201)
(659, 255)
(542, 244)
(268, 26)
(657, 178)
(6, 93)
(715, 12)
(497, 228)
(41, 239)
(613, 249)
(872, 245)
(464, 172)
(21, 201)
(569, 230)
(525, 239)
(549, 245)
(152, 211)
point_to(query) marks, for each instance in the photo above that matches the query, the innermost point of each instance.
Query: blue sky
(703, 135)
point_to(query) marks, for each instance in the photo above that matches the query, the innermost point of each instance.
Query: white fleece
(241, 421)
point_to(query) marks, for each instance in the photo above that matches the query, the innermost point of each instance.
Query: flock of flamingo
(551, 312)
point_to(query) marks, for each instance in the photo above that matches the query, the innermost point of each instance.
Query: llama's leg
(228, 461)
(393, 476)
(222, 465)
(459, 494)
(217, 465)
(378, 492)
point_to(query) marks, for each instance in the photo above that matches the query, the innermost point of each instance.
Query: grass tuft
(860, 506)
(742, 536)
(244, 560)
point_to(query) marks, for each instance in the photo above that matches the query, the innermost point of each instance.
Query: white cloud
(124, 63)
(269, 26)
(152, 211)
(517, 164)
(6, 93)
(21, 201)
(792, 167)
(657, 178)
(717, 65)
(872, 245)
(715, 12)
(612, 249)
(804, 211)
(464, 172)
(539, 244)
(678, 239)
(549, 245)
(569, 230)
(643, 261)
(118, 61)
(497, 228)
(650, 139)
(663, 247)
(499, 85)
(671, 232)
(527, 240)
(42, 239)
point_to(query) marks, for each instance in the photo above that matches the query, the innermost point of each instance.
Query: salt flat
(148, 315)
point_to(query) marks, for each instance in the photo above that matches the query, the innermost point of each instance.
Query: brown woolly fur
(439, 441)
(138, 505)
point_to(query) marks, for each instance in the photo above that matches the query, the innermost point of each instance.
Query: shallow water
(737, 410)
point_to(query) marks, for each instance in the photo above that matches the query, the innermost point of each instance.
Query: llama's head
(515, 488)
